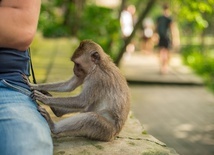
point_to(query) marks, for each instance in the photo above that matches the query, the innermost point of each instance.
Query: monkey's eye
(77, 64)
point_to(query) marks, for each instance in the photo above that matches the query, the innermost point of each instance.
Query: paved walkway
(145, 69)
(175, 108)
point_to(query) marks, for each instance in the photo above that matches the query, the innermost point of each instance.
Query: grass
(51, 58)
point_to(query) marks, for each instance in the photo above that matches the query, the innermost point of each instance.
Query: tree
(61, 18)
(84, 20)
(137, 25)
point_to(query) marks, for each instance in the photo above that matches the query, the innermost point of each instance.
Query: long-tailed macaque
(103, 103)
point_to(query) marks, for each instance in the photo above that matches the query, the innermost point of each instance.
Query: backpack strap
(31, 66)
(33, 75)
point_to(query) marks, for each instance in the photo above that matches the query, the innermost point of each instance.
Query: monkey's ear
(95, 57)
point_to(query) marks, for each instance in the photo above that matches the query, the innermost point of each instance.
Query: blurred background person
(127, 26)
(165, 27)
(147, 35)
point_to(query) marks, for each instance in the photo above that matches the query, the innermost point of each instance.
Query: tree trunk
(137, 25)
(72, 14)
(123, 2)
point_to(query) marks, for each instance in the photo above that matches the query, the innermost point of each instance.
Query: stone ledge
(133, 140)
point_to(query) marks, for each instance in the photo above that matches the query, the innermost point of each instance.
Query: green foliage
(51, 58)
(96, 23)
(192, 14)
(84, 20)
(101, 25)
(50, 22)
(202, 62)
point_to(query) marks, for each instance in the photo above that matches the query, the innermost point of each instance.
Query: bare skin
(20, 18)
(103, 103)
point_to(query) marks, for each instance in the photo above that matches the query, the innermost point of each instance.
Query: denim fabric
(23, 131)
(13, 64)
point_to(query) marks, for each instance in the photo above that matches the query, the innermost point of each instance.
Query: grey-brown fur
(103, 103)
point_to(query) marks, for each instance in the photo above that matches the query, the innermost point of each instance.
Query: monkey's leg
(59, 111)
(88, 124)
(60, 106)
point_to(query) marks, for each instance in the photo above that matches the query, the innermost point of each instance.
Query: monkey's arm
(76, 102)
(64, 86)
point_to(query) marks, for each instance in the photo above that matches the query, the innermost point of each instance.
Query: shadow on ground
(175, 108)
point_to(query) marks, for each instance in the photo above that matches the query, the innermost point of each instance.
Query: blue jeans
(23, 130)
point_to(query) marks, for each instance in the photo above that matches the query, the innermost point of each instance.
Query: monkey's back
(106, 86)
(113, 88)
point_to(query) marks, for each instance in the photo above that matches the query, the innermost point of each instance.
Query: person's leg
(164, 60)
(22, 129)
(164, 53)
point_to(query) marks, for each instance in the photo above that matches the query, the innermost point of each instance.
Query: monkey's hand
(36, 95)
(31, 85)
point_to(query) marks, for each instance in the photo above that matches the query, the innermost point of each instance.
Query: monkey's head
(86, 57)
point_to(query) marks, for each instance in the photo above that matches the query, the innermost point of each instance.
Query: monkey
(102, 105)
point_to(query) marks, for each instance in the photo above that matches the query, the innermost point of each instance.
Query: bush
(202, 61)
